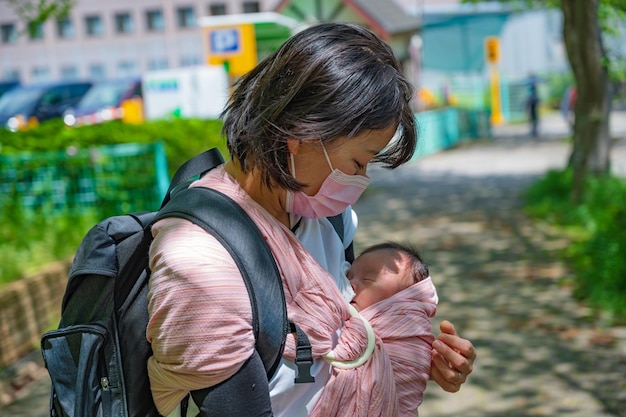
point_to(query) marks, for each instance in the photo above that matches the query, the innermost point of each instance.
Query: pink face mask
(338, 191)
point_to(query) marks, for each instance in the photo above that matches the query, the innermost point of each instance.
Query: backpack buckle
(304, 355)
(304, 361)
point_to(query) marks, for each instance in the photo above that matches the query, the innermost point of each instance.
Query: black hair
(328, 81)
(419, 267)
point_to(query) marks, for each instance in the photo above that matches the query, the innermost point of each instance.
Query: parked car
(105, 101)
(7, 86)
(26, 106)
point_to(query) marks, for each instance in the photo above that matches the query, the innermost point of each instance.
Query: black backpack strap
(198, 165)
(232, 227)
(337, 222)
(350, 252)
(304, 355)
(245, 394)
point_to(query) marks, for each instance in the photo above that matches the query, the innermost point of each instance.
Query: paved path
(539, 352)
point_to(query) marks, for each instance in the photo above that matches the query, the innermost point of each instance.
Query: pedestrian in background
(532, 105)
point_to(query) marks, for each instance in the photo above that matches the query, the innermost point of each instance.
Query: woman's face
(349, 155)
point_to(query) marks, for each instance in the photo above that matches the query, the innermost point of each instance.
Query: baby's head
(383, 270)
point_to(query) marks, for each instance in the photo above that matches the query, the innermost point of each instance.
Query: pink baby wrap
(200, 318)
(403, 341)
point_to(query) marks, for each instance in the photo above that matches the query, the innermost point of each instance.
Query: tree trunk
(583, 42)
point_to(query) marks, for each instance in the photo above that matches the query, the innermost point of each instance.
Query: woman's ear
(293, 145)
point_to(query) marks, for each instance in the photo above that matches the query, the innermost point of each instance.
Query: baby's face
(377, 275)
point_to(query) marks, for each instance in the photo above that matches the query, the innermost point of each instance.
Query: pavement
(499, 279)
(540, 352)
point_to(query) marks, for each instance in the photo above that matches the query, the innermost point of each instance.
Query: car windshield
(104, 94)
(4, 87)
(19, 101)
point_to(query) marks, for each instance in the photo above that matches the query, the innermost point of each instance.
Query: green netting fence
(110, 179)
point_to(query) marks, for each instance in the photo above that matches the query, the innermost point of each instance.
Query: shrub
(29, 240)
(597, 227)
(183, 138)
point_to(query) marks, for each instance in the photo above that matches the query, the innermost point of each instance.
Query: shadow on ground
(540, 353)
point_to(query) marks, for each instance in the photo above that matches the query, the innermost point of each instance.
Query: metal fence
(111, 179)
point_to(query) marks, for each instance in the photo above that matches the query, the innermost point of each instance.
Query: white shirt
(323, 242)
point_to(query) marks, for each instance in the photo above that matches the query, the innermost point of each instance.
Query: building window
(217, 9)
(69, 72)
(11, 74)
(158, 64)
(186, 17)
(123, 23)
(35, 31)
(93, 25)
(40, 74)
(154, 20)
(97, 72)
(190, 60)
(65, 28)
(127, 69)
(8, 33)
(251, 7)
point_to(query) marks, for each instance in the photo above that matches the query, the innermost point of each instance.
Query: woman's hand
(453, 358)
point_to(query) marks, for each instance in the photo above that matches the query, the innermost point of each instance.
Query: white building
(119, 38)
(111, 38)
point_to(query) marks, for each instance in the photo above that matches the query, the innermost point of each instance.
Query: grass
(597, 228)
(29, 241)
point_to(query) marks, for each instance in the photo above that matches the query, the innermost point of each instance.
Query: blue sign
(224, 41)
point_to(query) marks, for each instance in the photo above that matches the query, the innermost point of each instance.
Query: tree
(588, 60)
(583, 24)
(35, 12)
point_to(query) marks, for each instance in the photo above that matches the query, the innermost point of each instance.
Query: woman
(301, 127)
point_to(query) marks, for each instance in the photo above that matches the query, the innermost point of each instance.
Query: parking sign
(233, 47)
(225, 41)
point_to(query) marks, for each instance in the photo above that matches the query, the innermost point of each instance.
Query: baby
(383, 270)
(395, 294)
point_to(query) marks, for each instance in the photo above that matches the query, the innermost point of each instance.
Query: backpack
(97, 358)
